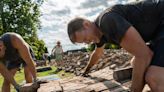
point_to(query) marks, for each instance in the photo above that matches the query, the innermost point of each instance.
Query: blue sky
(57, 13)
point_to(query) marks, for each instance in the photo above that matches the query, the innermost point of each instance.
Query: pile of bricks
(75, 61)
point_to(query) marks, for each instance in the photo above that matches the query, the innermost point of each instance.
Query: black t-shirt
(145, 16)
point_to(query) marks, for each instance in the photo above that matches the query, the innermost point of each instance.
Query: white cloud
(57, 13)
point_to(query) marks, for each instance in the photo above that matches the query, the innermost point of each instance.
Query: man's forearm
(32, 69)
(93, 60)
(139, 67)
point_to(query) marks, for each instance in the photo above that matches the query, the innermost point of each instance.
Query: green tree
(91, 47)
(22, 17)
(111, 46)
(1, 30)
(1, 26)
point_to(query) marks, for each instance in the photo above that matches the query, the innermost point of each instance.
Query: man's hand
(84, 72)
(29, 87)
(96, 54)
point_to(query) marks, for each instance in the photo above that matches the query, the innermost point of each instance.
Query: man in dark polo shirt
(131, 26)
(14, 51)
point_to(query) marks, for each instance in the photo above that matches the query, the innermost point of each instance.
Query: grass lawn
(19, 77)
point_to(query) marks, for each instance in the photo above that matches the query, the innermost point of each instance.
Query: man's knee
(149, 77)
(152, 80)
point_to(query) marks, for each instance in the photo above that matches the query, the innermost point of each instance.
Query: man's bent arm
(24, 52)
(96, 54)
(134, 44)
(5, 73)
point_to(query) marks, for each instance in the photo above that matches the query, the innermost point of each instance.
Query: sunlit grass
(19, 77)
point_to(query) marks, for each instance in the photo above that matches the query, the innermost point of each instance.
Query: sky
(57, 13)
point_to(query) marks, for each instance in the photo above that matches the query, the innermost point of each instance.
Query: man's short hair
(74, 26)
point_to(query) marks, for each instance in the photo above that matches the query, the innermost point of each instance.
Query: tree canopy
(22, 17)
